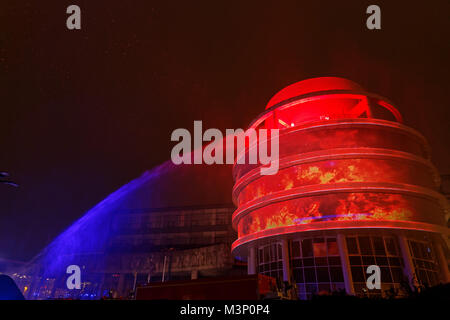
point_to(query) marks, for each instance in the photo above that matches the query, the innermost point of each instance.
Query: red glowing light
(338, 171)
(345, 160)
(322, 99)
(311, 86)
(339, 207)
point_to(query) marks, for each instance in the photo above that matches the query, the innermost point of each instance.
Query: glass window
(415, 249)
(322, 274)
(296, 249)
(424, 262)
(298, 275)
(352, 246)
(397, 274)
(390, 246)
(310, 274)
(270, 260)
(322, 261)
(378, 246)
(427, 252)
(336, 274)
(374, 251)
(355, 260)
(393, 261)
(266, 254)
(311, 261)
(273, 252)
(334, 261)
(358, 274)
(307, 248)
(365, 246)
(297, 263)
(385, 275)
(308, 262)
(368, 260)
(320, 249)
(332, 247)
(382, 261)
(311, 288)
(432, 277)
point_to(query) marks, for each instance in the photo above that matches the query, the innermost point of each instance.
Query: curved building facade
(355, 187)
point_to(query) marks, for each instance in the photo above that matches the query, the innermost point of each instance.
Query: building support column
(251, 260)
(408, 270)
(120, 285)
(346, 270)
(135, 282)
(286, 262)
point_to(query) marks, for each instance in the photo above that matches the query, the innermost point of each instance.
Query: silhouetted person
(9, 289)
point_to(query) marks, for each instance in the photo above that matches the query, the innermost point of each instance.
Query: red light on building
(349, 171)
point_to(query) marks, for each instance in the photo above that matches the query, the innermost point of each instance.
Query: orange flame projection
(341, 147)
(344, 137)
(337, 207)
(335, 171)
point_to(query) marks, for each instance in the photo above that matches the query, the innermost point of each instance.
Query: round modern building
(355, 187)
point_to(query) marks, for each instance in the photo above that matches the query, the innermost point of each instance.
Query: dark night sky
(83, 112)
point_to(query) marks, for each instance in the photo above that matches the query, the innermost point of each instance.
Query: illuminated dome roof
(324, 99)
(313, 85)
